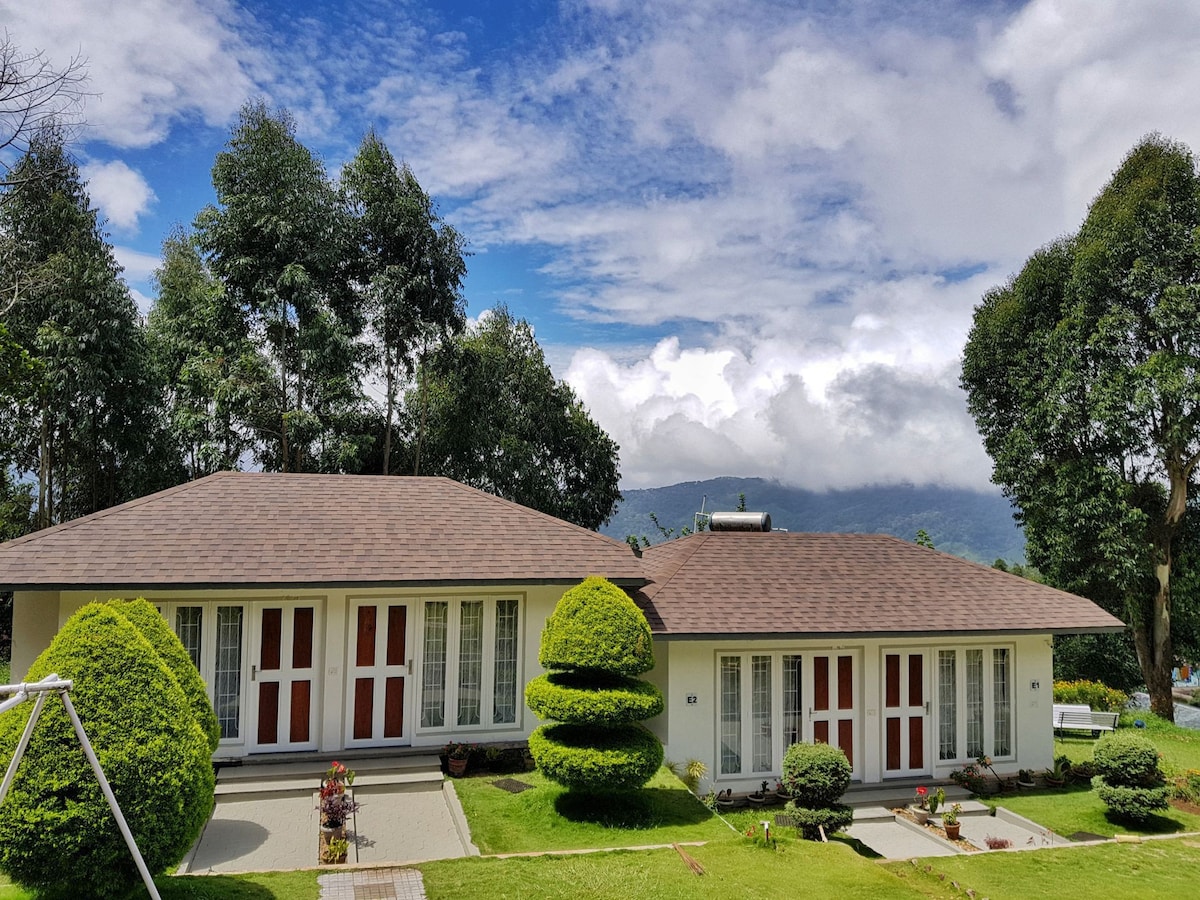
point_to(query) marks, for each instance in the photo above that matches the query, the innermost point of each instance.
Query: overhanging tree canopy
(1083, 375)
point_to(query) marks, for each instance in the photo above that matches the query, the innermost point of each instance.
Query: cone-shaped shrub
(154, 628)
(57, 833)
(598, 640)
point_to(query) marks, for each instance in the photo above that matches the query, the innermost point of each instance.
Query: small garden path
(372, 884)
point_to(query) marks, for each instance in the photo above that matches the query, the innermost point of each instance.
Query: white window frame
(960, 702)
(450, 696)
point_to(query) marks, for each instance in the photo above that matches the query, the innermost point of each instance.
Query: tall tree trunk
(44, 479)
(391, 408)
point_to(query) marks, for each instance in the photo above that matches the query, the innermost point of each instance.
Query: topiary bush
(57, 833)
(154, 628)
(598, 640)
(816, 776)
(1130, 779)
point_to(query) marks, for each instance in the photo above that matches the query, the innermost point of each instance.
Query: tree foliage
(487, 411)
(597, 640)
(1083, 375)
(408, 269)
(84, 418)
(56, 829)
(278, 241)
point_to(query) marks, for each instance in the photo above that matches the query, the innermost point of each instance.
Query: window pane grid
(1001, 703)
(504, 693)
(760, 700)
(731, 715)
(433, 669)
(227, 671)
(793, 712)
(470, 662)
(974, 685)
(947, 705)
(188, 620)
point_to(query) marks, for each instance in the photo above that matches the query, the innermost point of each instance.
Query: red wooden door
(378, 704)
(284, 677)
(834, 711)
(905, 713)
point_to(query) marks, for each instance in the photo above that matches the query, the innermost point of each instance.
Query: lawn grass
(261, 886)
(734, 867)
(1180, 747)
(1158, 868)
(548, 818)
(1078, 808)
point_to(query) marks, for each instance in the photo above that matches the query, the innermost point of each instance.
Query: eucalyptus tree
(89, 429)
(409, 269)
(278, 241)
(487, 411)
(214, 375)
(1083, 375)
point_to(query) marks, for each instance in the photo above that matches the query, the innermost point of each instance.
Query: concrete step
(899, 794)
(305, 775)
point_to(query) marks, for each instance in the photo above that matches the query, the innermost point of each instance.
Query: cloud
(150, 62)
(121, 193)
(138, 266)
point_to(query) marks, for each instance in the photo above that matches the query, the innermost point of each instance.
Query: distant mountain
(970, 524)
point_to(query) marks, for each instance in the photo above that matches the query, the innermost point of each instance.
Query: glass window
(188, 621)
(1001, 703)
(227, 671)
(433, 670)
(793, 709)
(974, 684)
(731, 715)
(470, 662)
(947, 705)
(760, 712)
(504, 692)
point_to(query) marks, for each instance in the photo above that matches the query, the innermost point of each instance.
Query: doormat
(512, 785)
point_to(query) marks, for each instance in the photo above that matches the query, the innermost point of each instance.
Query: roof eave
(305, 585)
(852, 635)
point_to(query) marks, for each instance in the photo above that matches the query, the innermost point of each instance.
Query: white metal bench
(1073, 717)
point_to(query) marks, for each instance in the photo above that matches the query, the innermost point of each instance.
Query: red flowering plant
(922, 798)
(335, 805)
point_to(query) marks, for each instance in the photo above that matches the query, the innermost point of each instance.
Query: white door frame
(286, 674)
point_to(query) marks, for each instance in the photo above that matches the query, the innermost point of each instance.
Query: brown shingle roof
(251, 528)
(723, 583)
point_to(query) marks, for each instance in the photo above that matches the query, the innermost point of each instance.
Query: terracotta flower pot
(458, 767)
(952, 830)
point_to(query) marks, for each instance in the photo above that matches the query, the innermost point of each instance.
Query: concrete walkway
(265, 817)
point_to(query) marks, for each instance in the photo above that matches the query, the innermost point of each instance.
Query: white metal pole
(108, 795)
(22, 743)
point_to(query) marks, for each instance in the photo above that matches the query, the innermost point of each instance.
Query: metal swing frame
(52, 684)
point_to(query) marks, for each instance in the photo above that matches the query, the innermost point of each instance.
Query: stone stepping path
(372, 884)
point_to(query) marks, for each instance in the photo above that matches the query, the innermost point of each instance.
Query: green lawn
(1078, 808)
(1180, 747)
(548, 818)
(1158, 868)
(261, 886)
(733, 868)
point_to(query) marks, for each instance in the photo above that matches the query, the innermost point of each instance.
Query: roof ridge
(112, 510)
(529, 510)
(699, 539)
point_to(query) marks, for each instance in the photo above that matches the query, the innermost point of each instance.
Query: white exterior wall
(38, 616)
(690, 729)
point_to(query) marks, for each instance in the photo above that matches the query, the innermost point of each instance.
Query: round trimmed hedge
(154, 628)
(1130, 780)
(596, 626)
(816, 775)
(596, 759)
(56, 830)
(579, 699)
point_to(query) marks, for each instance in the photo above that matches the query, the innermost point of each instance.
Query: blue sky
(750, 234)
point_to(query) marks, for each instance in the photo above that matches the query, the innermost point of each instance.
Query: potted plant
(920, 805)
(950, 821)
(1057, 775)
(335, 805)
(458, 755)
(335, 851)
(762, 796)
(1025, 779)
(936, 799)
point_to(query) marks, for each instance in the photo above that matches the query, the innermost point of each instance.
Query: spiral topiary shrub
(57, 833)
(598, 640)
(816, 776)
(154, 628)
(1130, 780)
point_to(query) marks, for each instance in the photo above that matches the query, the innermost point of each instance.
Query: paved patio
(265, 817)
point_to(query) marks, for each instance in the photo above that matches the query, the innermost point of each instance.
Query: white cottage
(334, 612)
